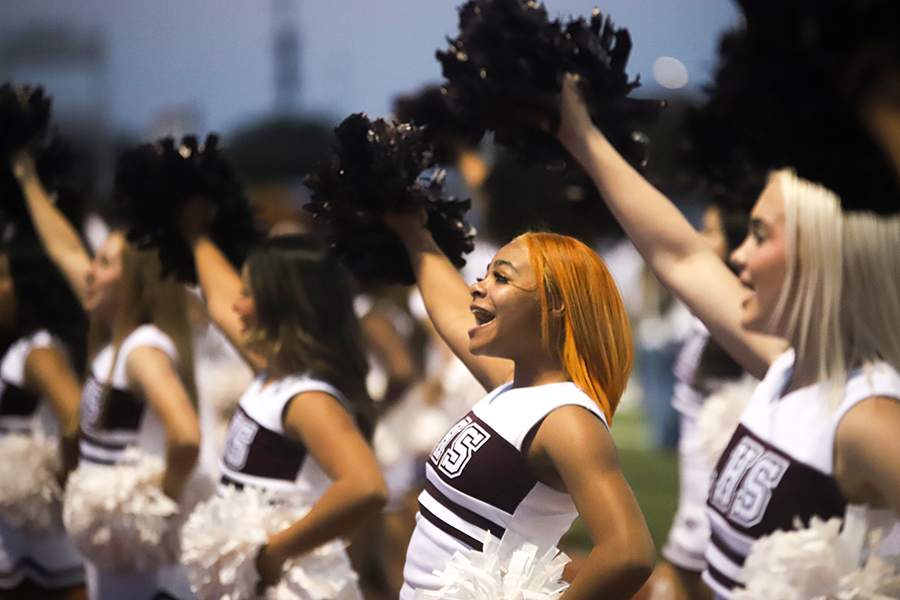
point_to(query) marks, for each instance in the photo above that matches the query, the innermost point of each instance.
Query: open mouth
(482, 317)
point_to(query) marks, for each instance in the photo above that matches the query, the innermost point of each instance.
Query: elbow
(184, 449)
(639, 564)
(372, 496)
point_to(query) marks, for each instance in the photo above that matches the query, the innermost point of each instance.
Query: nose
(477, 289)
(739, 256)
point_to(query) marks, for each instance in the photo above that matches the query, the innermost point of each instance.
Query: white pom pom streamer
(820, 562)
(486, 576)
(30, 494)
(221, 538)
(119, 518)
(720, 414)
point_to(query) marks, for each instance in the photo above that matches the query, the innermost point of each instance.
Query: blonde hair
(841, 296)
(143, 296)
(593, 340)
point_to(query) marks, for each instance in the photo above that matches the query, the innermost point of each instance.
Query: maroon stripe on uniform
(464, 513)
(450, 530)
(723, 579)
(722, 547)
(495, 473)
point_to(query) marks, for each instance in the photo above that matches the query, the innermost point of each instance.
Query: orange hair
(594, 339)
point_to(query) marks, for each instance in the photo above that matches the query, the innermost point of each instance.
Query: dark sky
(210, 61)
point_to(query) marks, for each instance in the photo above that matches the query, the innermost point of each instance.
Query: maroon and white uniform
(108, 429)
(778, 466)
(258, 453)
(122, 421)
(478, 483)
(49, 560)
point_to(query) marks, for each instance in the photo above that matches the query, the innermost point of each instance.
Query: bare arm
(866, 447)
(151, 374)
(221, 285)
(49, 374)
(446, 298)
(393, 354)
(357, 491)
(574, 452)
(58, 237)
(668, 242)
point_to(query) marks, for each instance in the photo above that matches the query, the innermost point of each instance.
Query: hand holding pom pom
(376, 170)
(24, 115)
(507, 65)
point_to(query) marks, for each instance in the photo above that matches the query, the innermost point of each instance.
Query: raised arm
(357, 491)
(675, 251)
(58, 236)
(49, 374)
(446, 298)
(151, 374)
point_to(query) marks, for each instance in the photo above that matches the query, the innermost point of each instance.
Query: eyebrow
(758, 224)
(506, 263)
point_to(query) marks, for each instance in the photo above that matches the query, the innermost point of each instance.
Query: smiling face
(103, 277)
(507, 307)
(762, 261)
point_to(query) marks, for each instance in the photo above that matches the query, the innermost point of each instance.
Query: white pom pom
(222, 536)
(486, 576)
(819, 561)
(720, 414)
(119, 518)
(30, 495)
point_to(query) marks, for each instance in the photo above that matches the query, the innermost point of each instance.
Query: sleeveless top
(778, 465)
(112, 418)
(20, 409)
(478, 483)
(258, 453)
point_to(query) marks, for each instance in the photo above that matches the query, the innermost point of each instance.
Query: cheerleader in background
(703, 371)
(37, 560)
(139, 356)
(821, 431)
(299, 426)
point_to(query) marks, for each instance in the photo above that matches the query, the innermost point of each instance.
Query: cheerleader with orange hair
(545, 333)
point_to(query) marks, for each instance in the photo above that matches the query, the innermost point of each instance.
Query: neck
(530, 373)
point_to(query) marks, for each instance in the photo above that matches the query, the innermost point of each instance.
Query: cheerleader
(821, 430)
(546, 333)
(299, 427)
(139, 358)
(39, 397)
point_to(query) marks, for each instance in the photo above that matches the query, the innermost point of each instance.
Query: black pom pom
(505, 71)
(787, 93)
(445, 125)
(153, 181)
(376, 169)
(24, 116)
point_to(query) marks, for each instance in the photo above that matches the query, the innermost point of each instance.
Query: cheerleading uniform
(108, 430)
(689, 535)
(479, 484)
(50, 560)
(258, 453)
(778, 466)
